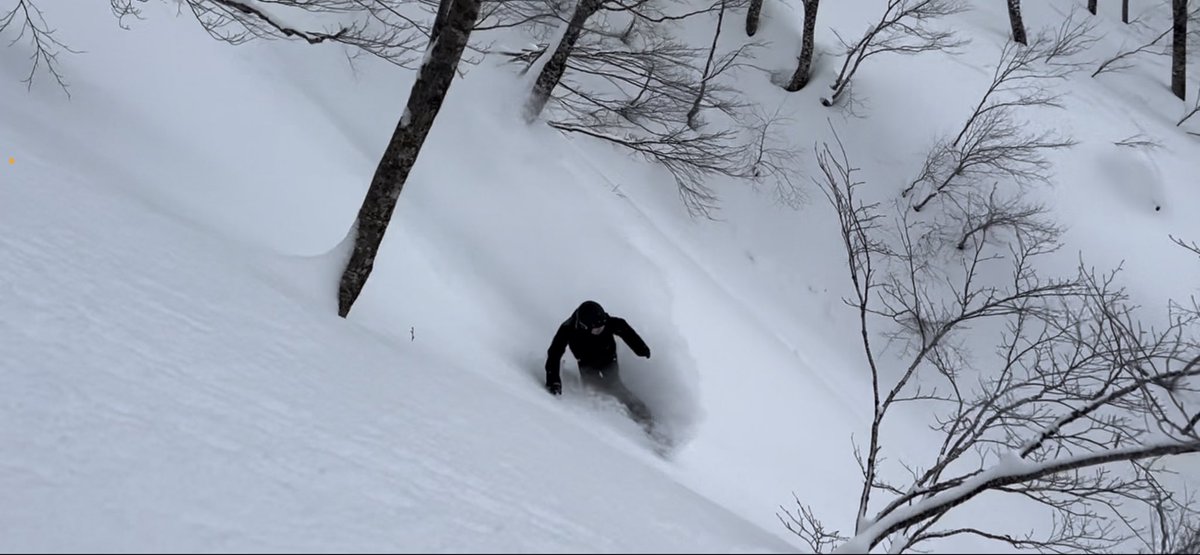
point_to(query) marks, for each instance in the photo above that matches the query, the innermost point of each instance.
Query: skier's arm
(554, 355)
(622, 329)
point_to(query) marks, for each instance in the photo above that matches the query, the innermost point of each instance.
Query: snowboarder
(589, 333)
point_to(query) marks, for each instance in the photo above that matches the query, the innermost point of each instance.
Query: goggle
(595, 328)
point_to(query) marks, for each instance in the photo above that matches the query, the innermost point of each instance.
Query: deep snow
(175, 376)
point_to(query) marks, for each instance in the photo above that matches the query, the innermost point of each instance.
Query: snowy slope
(187, 387)
(171, 399)
(178, 380)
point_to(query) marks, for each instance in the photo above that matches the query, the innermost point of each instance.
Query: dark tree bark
(800, 77)
(1014, 19)
(1124, 11)
(424, 102)
(1179, 49)
(440, 20)
(752, 17)
(712, 53)
(552, 72)
(1092, 6)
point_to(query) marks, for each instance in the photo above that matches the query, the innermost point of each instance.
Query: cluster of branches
(992, 143)
(1072, 412)
(906, 27)
(1123, 59)
(392, 30)
(629, 80)
(26, 20)
(1187, 543)
(1176, 532)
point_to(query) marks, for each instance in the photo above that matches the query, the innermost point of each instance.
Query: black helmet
(590, 315)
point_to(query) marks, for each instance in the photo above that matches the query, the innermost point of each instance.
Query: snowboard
(660, 441)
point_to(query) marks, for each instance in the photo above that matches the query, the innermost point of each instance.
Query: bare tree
(993, 143)
(800, 76)
(424, 102)
(670, 52)
(383, 28)
(1179, 15)
(551, 73)
(752, 16)
(630, 81)
(904, 28)
(707, 74)
(30, 24)
(388, 29)
(1120, 62)
(1069, 413)
(1015, 21)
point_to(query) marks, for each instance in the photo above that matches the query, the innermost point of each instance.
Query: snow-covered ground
(173, 375)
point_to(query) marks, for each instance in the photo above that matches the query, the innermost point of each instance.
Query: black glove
(555, 388)
(647, 352)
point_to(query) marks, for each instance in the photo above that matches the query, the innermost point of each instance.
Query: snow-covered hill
(173, 375)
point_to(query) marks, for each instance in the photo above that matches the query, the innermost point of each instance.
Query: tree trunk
(712, 53)
(1124, 11)
(1092, 6)
(552, 72)
(752, 17)
(439, 21)
(424, 102)
(1179, 49)
(800, 78)
(1014, 19)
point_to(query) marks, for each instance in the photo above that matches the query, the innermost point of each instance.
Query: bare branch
(388, 29)
(1193, 111)
(993, 143)
(1119, 62)
(804, 524)
(1138, 141)
(904, 28)
(1069, 413)
(31, 24)
(629, 81)
(1189, 246)
(706, 75)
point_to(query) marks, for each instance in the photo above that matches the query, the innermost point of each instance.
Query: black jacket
(593, 351)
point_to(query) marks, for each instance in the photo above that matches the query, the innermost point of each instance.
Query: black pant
(607, 379)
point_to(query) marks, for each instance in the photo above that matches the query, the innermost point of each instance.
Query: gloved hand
(555, 388)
